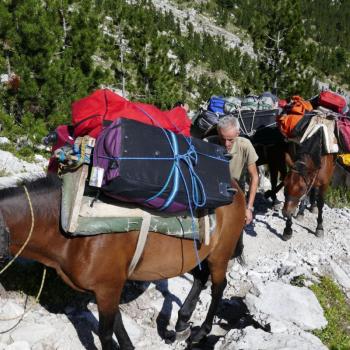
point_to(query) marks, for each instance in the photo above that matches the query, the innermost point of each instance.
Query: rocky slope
(203, 24)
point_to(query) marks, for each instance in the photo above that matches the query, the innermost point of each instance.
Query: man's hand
(248, 216)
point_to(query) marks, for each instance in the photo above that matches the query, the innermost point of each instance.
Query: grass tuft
(336, 335)
(338, 197)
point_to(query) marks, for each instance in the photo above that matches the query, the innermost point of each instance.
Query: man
(243, 158)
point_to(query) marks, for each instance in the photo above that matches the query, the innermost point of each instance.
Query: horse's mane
(47, 183)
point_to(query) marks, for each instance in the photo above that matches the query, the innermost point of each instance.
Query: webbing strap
(141, 242)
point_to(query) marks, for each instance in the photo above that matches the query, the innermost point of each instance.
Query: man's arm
(253, 187)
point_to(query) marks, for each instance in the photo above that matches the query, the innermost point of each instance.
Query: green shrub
(338, 197)
(23, 136)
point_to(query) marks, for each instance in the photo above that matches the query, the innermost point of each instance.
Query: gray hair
(228, 121)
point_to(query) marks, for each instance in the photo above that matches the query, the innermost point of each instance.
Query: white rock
(338, 273)
(14, 165)
(4, 140)
(10, 309)
(39, 158)
(19, 345)
(32, 333)
(256, 339)
(287, 303)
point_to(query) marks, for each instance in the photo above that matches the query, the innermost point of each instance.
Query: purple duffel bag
(343, 134)
(158, 169)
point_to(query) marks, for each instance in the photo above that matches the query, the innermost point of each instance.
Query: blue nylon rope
(190, 158)
(176, 176)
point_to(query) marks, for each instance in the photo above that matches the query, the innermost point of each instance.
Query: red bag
(282, 103)
(96, 111)
(343, 134)
(332, 101)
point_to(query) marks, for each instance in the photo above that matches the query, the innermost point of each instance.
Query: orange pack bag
(286, 123)
(299, 106)
(294, 111)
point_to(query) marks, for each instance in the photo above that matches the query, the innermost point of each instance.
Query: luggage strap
(141, 242)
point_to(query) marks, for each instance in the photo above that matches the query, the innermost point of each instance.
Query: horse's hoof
(182, 326)
(199, 336)
(183, 335)
(197, 339)
(319, 233)
(286, 236)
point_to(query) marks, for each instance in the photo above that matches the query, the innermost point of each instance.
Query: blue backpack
(216, 104)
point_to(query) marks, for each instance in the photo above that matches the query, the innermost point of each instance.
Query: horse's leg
(287, 233)
(218, 277)
(314, 194)
(185, 312)
(273, 178)
(302, 207)
(121, 333)
(110, 319)
(320, 203)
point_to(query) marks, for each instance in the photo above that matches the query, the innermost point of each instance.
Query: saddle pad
(107, 218)
(327, 126)
(103, 217)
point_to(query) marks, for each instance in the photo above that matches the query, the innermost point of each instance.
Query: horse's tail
(239, 247)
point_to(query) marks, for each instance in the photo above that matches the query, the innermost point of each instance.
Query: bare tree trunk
(64, 25)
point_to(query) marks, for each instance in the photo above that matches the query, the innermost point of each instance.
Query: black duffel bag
(159, 169)
(206, 120)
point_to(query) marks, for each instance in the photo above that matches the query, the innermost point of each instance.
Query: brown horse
(99, 264)
(310, 174)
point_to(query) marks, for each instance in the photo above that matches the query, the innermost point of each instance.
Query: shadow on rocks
(232, 314)
(25, 276)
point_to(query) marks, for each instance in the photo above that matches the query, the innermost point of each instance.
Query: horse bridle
(308, 185)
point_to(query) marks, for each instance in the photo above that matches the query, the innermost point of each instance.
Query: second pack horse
(310, 174)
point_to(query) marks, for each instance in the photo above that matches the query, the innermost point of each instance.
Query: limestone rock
(287, 303)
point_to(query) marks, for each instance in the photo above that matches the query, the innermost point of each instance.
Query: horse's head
(297, 184)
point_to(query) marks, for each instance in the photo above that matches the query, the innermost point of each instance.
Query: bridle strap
(308, 185)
